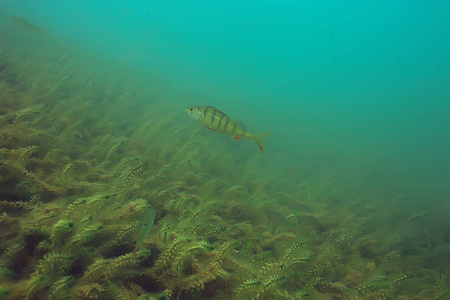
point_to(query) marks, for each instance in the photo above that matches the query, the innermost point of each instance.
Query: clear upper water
(359, 86)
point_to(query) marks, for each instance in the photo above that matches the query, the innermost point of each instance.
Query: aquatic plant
(75, 189)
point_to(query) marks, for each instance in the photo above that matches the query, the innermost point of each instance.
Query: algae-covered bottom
(79, 172)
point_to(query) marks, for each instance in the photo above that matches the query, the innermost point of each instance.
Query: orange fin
(209, 128)
(259, 139)
(237, 137)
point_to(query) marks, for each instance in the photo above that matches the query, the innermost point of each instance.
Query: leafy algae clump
(79, 195)
(62, 229)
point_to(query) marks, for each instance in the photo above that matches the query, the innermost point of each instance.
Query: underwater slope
(85, 156)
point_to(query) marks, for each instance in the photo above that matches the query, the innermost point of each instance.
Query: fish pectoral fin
(237, 137)
(209, 128)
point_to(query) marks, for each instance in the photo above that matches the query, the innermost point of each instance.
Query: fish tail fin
(260, 139)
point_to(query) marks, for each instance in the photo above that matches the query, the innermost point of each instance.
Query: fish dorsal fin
(241, 124)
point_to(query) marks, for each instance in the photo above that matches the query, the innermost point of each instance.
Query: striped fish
(214, 119)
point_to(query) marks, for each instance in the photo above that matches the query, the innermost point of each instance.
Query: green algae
(75, 187)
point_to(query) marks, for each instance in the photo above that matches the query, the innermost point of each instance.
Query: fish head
(194, 112)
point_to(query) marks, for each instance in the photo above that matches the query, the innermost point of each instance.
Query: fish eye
(191, 109)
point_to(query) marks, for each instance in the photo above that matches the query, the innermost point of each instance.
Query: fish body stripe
(226, 124)
(206, 111)
(217, 120)
(220, 121)
(234, 128)
(213, 115)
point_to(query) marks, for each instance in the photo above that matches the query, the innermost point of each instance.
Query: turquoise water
(353, 92)
(364, 84)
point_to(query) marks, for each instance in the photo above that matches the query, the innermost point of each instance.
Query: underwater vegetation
(97, 203)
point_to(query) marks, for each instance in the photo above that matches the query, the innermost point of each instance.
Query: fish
(146, 226)
(215, 120)
(24, 24)
(279, 220)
